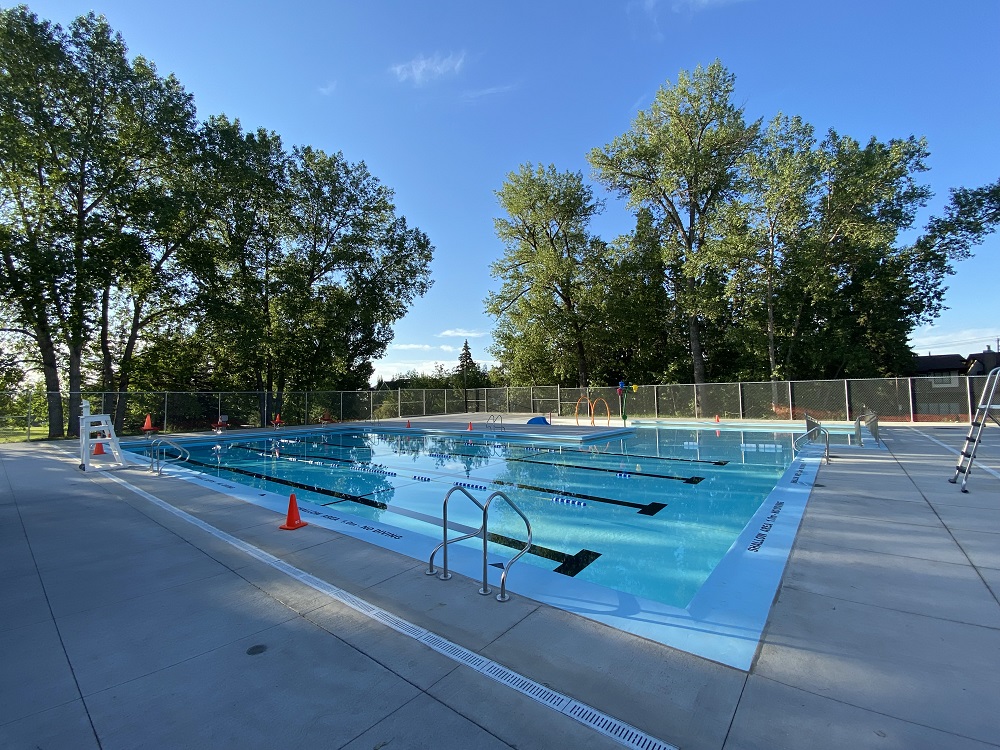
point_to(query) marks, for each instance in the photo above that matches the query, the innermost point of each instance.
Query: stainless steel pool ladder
(158, 453)
(987, 405)
(497, 421)
(482, 531)
(870, 420)
(813, 429)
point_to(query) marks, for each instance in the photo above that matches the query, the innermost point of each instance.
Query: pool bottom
(723, 622)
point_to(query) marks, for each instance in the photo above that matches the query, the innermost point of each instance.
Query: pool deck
(127, 625)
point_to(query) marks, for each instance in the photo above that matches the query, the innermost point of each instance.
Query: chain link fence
(24, 413)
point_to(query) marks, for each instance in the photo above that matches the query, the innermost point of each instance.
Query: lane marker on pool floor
(623, 733)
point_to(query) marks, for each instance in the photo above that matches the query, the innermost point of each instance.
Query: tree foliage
(125, 225)
(759, 252)
(550, 271)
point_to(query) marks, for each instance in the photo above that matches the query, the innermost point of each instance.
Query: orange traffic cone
(407, 422)
(98, 450)
(293, 521)
(716, 418)
(147, 426)
(470, 426)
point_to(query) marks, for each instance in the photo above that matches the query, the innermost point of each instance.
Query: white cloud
(420, 347)
(680, 6)
(389, 369)
(447, 348)
(461, 333)
(483, 93)
(422, 69)
(939, 340)
(328, 89)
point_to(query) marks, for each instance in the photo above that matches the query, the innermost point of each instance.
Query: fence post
(306, 420)
(847, 399)
(695, 387)
(531, 398)
(791, 407)
(399, 402)
(909, 388)
(506, 391)
(341, 406)
(29, 418)
(558, 400)
(371, 405)
(968, 391)
(166, 394)
(739, 393)
(656, 404)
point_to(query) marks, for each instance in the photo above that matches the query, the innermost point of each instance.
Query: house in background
(943, 368)
(942, 391)
(982, 363)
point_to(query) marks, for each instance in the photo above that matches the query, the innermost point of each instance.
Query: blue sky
(443, 98)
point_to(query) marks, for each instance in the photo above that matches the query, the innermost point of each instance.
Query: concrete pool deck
(125, 625)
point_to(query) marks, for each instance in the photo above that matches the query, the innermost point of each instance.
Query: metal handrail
(497, 421)
(871, 421)
(807, 437)
(158, 453)
(502, 596)
(482, 531)
(445, 575)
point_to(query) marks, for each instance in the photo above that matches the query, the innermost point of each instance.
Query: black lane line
(644, 457)
(712, 462)
(686, 480)
(569, 565)
(268, 454)
(645, 509)
(651, 509)
(298, 485)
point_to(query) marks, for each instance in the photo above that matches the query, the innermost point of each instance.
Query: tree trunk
(771, 354)
(75, 386)
(697, 356)
(125, 366)
(50, 369)
(581, 359)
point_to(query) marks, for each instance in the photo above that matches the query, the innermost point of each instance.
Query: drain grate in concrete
(618, 730)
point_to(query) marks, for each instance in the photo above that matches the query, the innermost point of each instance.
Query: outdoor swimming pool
(676, 533)
(650, 514)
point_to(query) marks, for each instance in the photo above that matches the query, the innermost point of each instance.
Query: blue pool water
(650, 514)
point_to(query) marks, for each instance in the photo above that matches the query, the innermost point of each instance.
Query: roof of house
(982, 362)
(932, 363)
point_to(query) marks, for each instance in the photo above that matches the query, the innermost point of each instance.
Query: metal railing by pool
(24, 413)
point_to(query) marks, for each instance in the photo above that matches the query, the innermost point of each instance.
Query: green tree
(682, 160)
(468, 374)
(859, 290)
(307, 265)
(549, 269)
(355, 267)
(82, 131)
(236, 273)
(770, 224)
(971, 214)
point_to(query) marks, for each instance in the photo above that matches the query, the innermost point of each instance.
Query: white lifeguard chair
(97, 430)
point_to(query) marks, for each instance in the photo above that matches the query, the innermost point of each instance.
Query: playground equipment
(592, 409)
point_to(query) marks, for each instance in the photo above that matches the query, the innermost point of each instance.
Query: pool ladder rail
(984, 410)
(158, 453)
(813, 430)
(483, 532)
(870, 420)
(497, 421)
